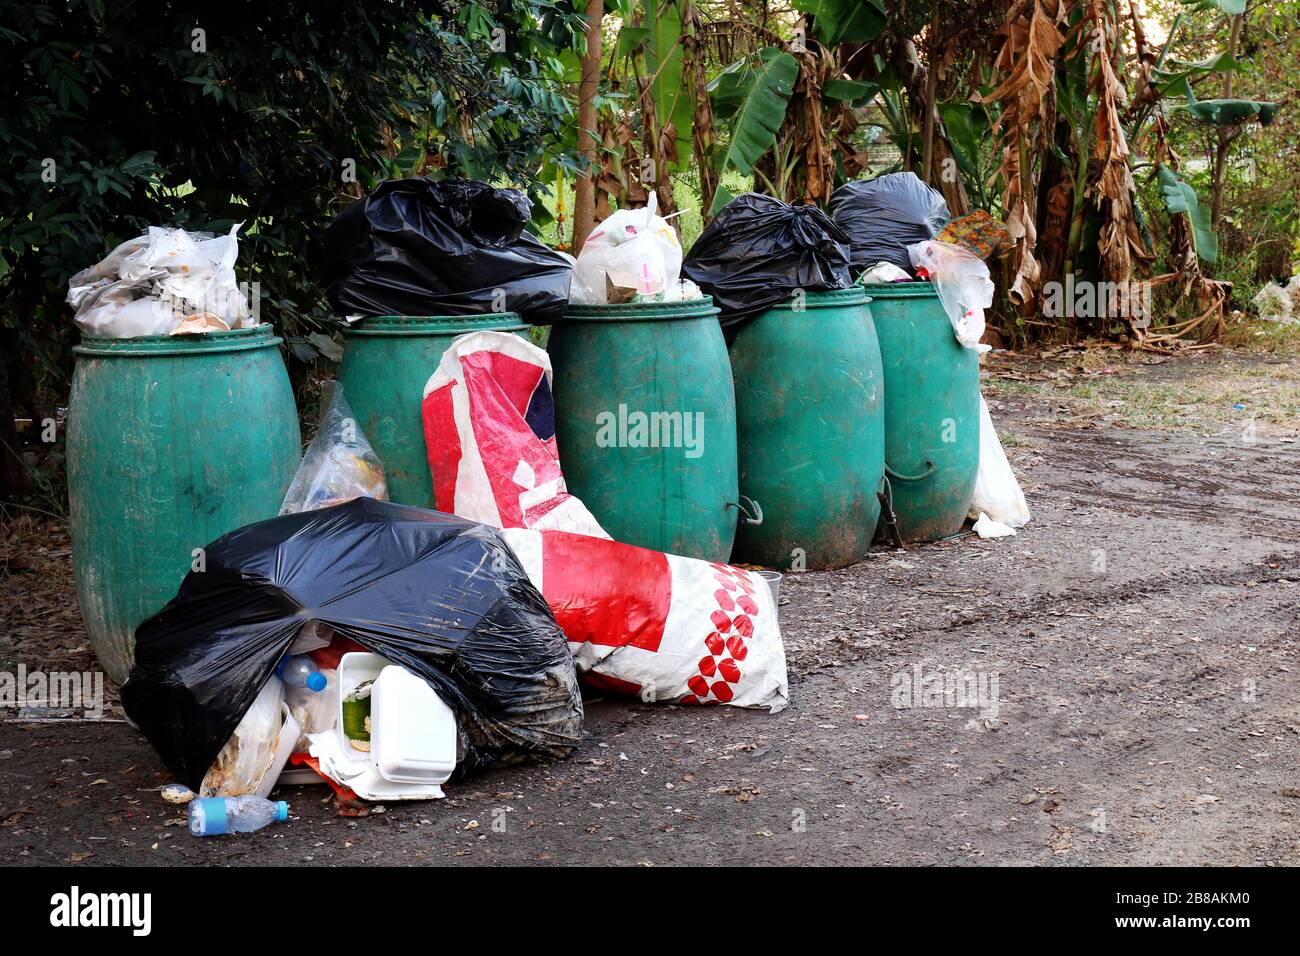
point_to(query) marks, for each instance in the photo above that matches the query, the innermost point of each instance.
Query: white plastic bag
(884, 272)
(997, 497)
(339, 464)
(632, 252)
(152, 284)
(247, 756)
(962, 280)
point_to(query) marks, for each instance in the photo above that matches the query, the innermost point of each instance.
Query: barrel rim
(824, 299)
(916, 289)
(397, 325)
(260, 336)
(700, 308)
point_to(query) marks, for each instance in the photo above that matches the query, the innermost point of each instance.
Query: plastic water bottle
(299, 671)
(213, 816)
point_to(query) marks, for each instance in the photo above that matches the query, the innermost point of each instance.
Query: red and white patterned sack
(660, 626)
(489, 425)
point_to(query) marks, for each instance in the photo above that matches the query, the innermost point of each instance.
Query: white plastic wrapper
(153, 284)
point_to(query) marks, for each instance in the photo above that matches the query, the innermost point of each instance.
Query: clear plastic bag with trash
(339, 464)
(963, 283)
(165, 282)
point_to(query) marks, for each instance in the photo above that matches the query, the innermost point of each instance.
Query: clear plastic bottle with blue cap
(214, 816)
(300, 671)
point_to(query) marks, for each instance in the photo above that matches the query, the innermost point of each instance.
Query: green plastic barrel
(809, 423)
(645, 421)
(932, 441)
(172, 442)
(386, 363)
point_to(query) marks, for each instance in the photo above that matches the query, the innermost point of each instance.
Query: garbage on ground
(660, 626)
(962, 281)
(246, 759)
(454, 247)
(394, 738)
(177, 793)
(986, 527)
(443, 597)
(339, 464)
(997, 497)
(489, 425)
(215, 816)
(979, 233)
(885, 215)
(1279, 303)
(167, 281)
(759, 252)
(884, 272)
(634, 252)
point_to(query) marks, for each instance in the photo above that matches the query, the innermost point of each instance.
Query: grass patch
(1199, 395)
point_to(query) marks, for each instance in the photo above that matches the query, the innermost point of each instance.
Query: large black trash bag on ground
(419, 247)
(442, 596)
(885, 215)
(759, 251)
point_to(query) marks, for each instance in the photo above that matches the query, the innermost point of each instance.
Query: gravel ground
(1136, 643)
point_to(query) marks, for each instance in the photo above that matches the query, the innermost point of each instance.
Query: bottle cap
(316, 681)
(281, 810)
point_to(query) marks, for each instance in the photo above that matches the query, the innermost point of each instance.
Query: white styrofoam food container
(289, 734)
(412, 732)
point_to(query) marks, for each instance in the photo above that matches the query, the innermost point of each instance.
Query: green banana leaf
(844, 21)
(1231, 7)
(767, 90)
(850, 91)
(663, 58)
(1180, 197)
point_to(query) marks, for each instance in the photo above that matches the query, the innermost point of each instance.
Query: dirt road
(1137, 647)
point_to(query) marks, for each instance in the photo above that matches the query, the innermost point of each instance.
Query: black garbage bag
(420, 247)
(885, 215)
(759, 250)
(443, 597)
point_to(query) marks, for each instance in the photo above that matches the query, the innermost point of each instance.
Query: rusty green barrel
(810, 429)
(172, 442)
(386, 363)
(645, 422)
(932, 417)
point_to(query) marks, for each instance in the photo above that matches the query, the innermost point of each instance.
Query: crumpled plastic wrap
(153, 284)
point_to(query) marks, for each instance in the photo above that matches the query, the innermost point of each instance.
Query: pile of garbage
(165, 282)
(439, 596)
(384, 649)
(1279, 303)
(886, 216)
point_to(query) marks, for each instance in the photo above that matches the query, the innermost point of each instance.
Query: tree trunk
(1226, 134)
(694, 78)
(584, 199)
